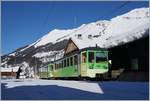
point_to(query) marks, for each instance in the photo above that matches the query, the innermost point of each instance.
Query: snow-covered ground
(30, 89)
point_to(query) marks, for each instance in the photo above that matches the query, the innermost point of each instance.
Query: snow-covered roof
(9, 69)
(85, 42)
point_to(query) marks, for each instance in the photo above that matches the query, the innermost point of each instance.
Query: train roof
(85, 42)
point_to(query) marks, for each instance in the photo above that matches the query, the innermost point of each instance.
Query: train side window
(75, 60)
(67, 62)
(84, 57)
(62, 63)
(71, 61)
(52, 67)
(55, 66)
(59, 65)
(91, 57)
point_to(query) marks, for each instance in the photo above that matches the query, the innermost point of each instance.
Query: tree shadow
(55, 92)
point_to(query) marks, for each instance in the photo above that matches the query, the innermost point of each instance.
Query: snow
(52, 36)
(26, 70)
(84, 42)
(49, 56)
(3, 63)
(43, 54)
(12, 54)
(36, 89)
(103, 33)
(120, 29)
(57, 35)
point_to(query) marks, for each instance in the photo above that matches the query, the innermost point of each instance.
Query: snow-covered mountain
(105, 33)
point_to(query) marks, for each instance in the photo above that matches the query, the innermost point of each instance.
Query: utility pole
(35, 67)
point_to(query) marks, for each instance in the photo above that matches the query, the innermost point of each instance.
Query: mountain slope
(121, 29)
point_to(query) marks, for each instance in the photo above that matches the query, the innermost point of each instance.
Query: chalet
(8, 71)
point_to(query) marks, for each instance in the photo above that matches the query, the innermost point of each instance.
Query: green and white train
(86, 63)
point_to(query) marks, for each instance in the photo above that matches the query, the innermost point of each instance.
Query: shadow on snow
(54, 92)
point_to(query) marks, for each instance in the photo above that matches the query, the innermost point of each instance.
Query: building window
(84, 57)
(91, 57)
(134, 64)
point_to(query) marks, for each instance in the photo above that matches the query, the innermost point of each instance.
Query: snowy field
(62, 89)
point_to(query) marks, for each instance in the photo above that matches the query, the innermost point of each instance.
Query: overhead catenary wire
(45, 21)
(118, 8)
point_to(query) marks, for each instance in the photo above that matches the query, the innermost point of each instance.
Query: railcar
(86, 63)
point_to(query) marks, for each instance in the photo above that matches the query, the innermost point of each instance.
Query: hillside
(118, 30)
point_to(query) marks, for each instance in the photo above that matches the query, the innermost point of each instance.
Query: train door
(76, 65)
(79, 67)
(83, 63)
(50, 70)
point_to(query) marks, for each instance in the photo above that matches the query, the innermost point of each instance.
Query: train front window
(91, 57)
(84, 57)
(101, 56)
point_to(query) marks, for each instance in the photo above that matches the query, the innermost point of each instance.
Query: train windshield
(101, 56)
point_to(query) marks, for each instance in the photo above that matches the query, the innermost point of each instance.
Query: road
(37, 89)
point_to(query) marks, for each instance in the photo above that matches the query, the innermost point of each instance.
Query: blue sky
(25, 22)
